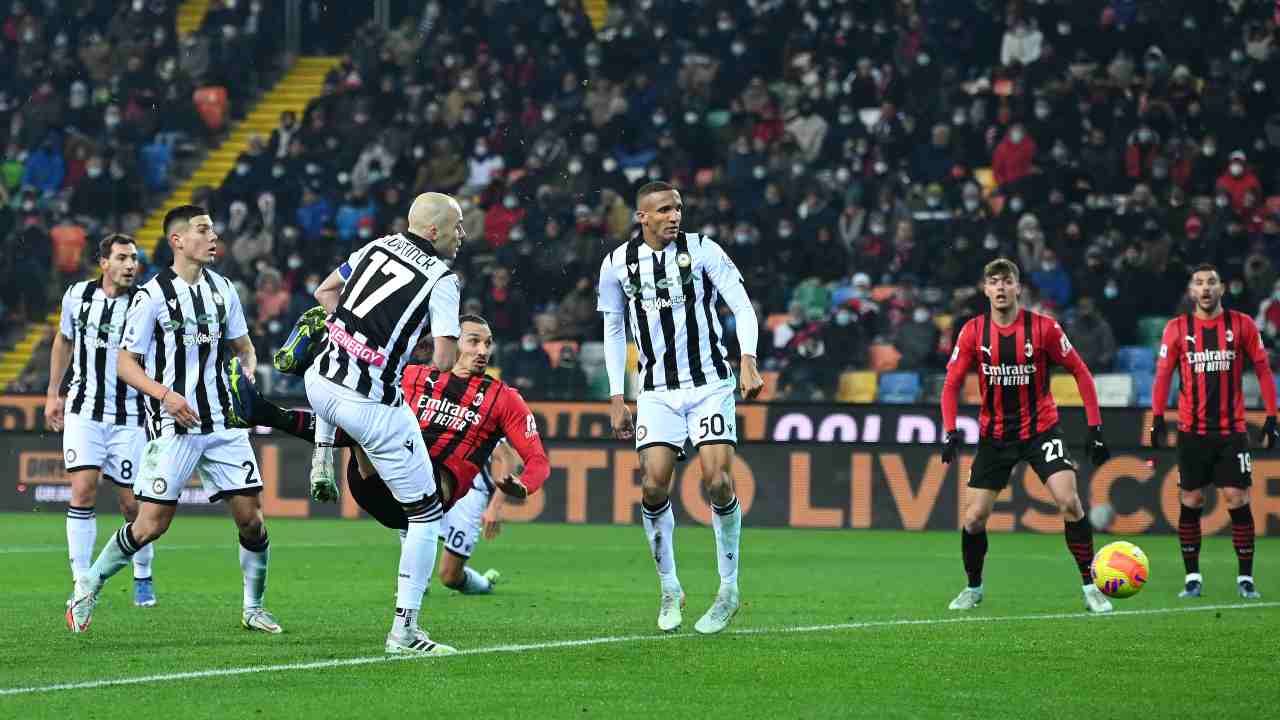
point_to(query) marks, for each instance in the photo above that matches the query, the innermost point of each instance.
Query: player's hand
(620, 417)
(54, 405)
(1270, 434)
(951, 447)
(1098, 452)
(1158, 432)
(750, 383)
(512, 486)
(491, 524)
(180, 410)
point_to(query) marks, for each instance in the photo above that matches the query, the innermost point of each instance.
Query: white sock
(142, 562)
(116, 553)
(402, 534)
(727, 523)
(660, 527)
(417, 561)
(253, 565)
(473, 583)
(82, 534)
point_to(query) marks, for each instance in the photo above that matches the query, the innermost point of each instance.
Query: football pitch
(833, 624)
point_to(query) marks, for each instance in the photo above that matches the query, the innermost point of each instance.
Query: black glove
(1270, 434)
(951, 447)
(1158, 433)
(1098, 452)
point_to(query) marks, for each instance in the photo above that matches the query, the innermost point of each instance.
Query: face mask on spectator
(1159, 171)
(1016, 204)
(510, 202)
(242, 169)
(592, 60)
(881, 167)
(548, 115)
(877, 228)
(758, 172)
(1144, 135)
(295, 262)
(932, 201)
(112, 120)
(1209, 150)
(94, 171)
(1016, 135)
(742, 237)
(1222, 201)
(991, 242)
(1236, 169)
(28, 205)
(575, 167)
(365, 233)
(843, 318)
(970, 204)
(1111, 291)
(610, 165)
(920, 315)
(738, 49)
(784, 231)
(529, 344)
(842, 175)
(419, 152)
(1048, 265)
(138, 5)
(1042, 112)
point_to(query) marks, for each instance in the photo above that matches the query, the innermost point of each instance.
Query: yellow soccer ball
(1120, 569)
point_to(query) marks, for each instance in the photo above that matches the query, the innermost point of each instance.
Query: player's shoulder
(615, 257)
(1243, 319)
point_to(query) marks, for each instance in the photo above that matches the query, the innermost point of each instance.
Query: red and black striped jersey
(463, 418)
(1209, 354)
(1013, 375)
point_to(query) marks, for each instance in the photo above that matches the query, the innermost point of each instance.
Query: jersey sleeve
(1166, 361)
(140, 323)
(1063, 353)
(609, 290)
(521, 430)
(445, 298)
(65, 323)
(1257, 352)
(237, 327)
(721, 270)
(728, 280)
(957, 367)
(352, 262)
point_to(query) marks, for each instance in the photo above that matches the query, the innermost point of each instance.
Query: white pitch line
(22, 549)
(611, 640)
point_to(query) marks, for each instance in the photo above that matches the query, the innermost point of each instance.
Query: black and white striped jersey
(94, 325)
(397, 287)
(670, 296)
(182, 332)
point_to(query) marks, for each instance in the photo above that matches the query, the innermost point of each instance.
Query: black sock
(1080, 542)
(1189, 536)
(974, 549)
(1242, 537)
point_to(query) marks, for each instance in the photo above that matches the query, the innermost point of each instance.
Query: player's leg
(1078, 532)
(1195, 472)
(1235, 475)
(660, 434)
(988, 476)
(123, 461)
(716, 460)
(460, 533)
(83, 451)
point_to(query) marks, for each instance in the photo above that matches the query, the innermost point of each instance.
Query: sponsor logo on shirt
(445, 413)
(1006, 374)
(1206, 361)
(354, 347)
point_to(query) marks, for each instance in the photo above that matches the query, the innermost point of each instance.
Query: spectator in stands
(1268, 319)
(505, 306)
(1238, 180)
(566, 381)
(528, 367)
(808, 375)
(1053, 282)
(578, 318)
(1014, 156)
(917, 339)
(1091, 335)
(45, 168)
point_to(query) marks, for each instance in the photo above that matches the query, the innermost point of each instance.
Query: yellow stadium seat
(857, 387)
(944, 322)
(1065, 391)
(985, 178)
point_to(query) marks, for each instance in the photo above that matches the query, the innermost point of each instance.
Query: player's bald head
(438, 218)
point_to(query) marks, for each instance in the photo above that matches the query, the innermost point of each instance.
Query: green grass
(331, 588)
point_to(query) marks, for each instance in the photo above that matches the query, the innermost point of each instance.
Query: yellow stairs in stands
(190, 14)
(598, 11)
(14, 360)
(299, 85)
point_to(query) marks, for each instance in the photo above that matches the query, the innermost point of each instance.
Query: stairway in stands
(298, 86)
(190, 14)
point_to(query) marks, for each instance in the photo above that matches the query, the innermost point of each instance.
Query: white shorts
(461, 527)
(223, 460)
(116, 450)
(388, 434)
(705, 415)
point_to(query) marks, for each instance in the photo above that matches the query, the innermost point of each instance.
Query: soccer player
(1012, 349)
(466, 418)
(178, 330)
(102, 429)
(380, 302)
(1213, 447)
(668, 282)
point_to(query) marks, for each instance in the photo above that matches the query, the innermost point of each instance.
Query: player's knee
(1071, 507)
(719, 485)
(1235, 497)
(84, 489)
(975, 519)
(149, 529)
(251, 527)
(453, 577)
(128, 505)
(1193, 498)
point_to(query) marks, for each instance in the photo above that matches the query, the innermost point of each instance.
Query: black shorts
(1046, 453)
(375, 498)
(1221, 460)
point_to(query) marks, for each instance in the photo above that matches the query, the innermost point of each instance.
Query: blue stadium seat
(1142, 383)
(899, 388)
(1136, 359)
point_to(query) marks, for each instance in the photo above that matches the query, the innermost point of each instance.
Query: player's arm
(611, 304)
(728, 281)
(139, 332)
(957, 367)
(238, 330)
(445, 328)
(491, 518)
(521, 431)
(1166, 362)
(59, 359)
(1266, 382)
(329, 292)
(1064, 354)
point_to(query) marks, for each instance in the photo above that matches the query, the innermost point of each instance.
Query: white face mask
(784, 232)
(610, 165)
(1236, 169)
(991, 243)
(970, 204)
(1016, 136)
(920, 315)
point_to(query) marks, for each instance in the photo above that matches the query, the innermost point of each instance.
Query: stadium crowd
(860, 161)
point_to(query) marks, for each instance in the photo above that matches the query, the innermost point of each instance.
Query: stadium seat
(1114, 389)
(986, 178)
(882, 293)
(931, 392)
(770, 390)
(944, 322)
(775, 319)
(1142, 387)
(884, 357)
(591, 353)
(211, 104)
(1252, 389)
(1134, 359)
(899, 388)
(553, 348)
(1151, 330)
(1065, 391)
(857, 387)
(598, 386)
